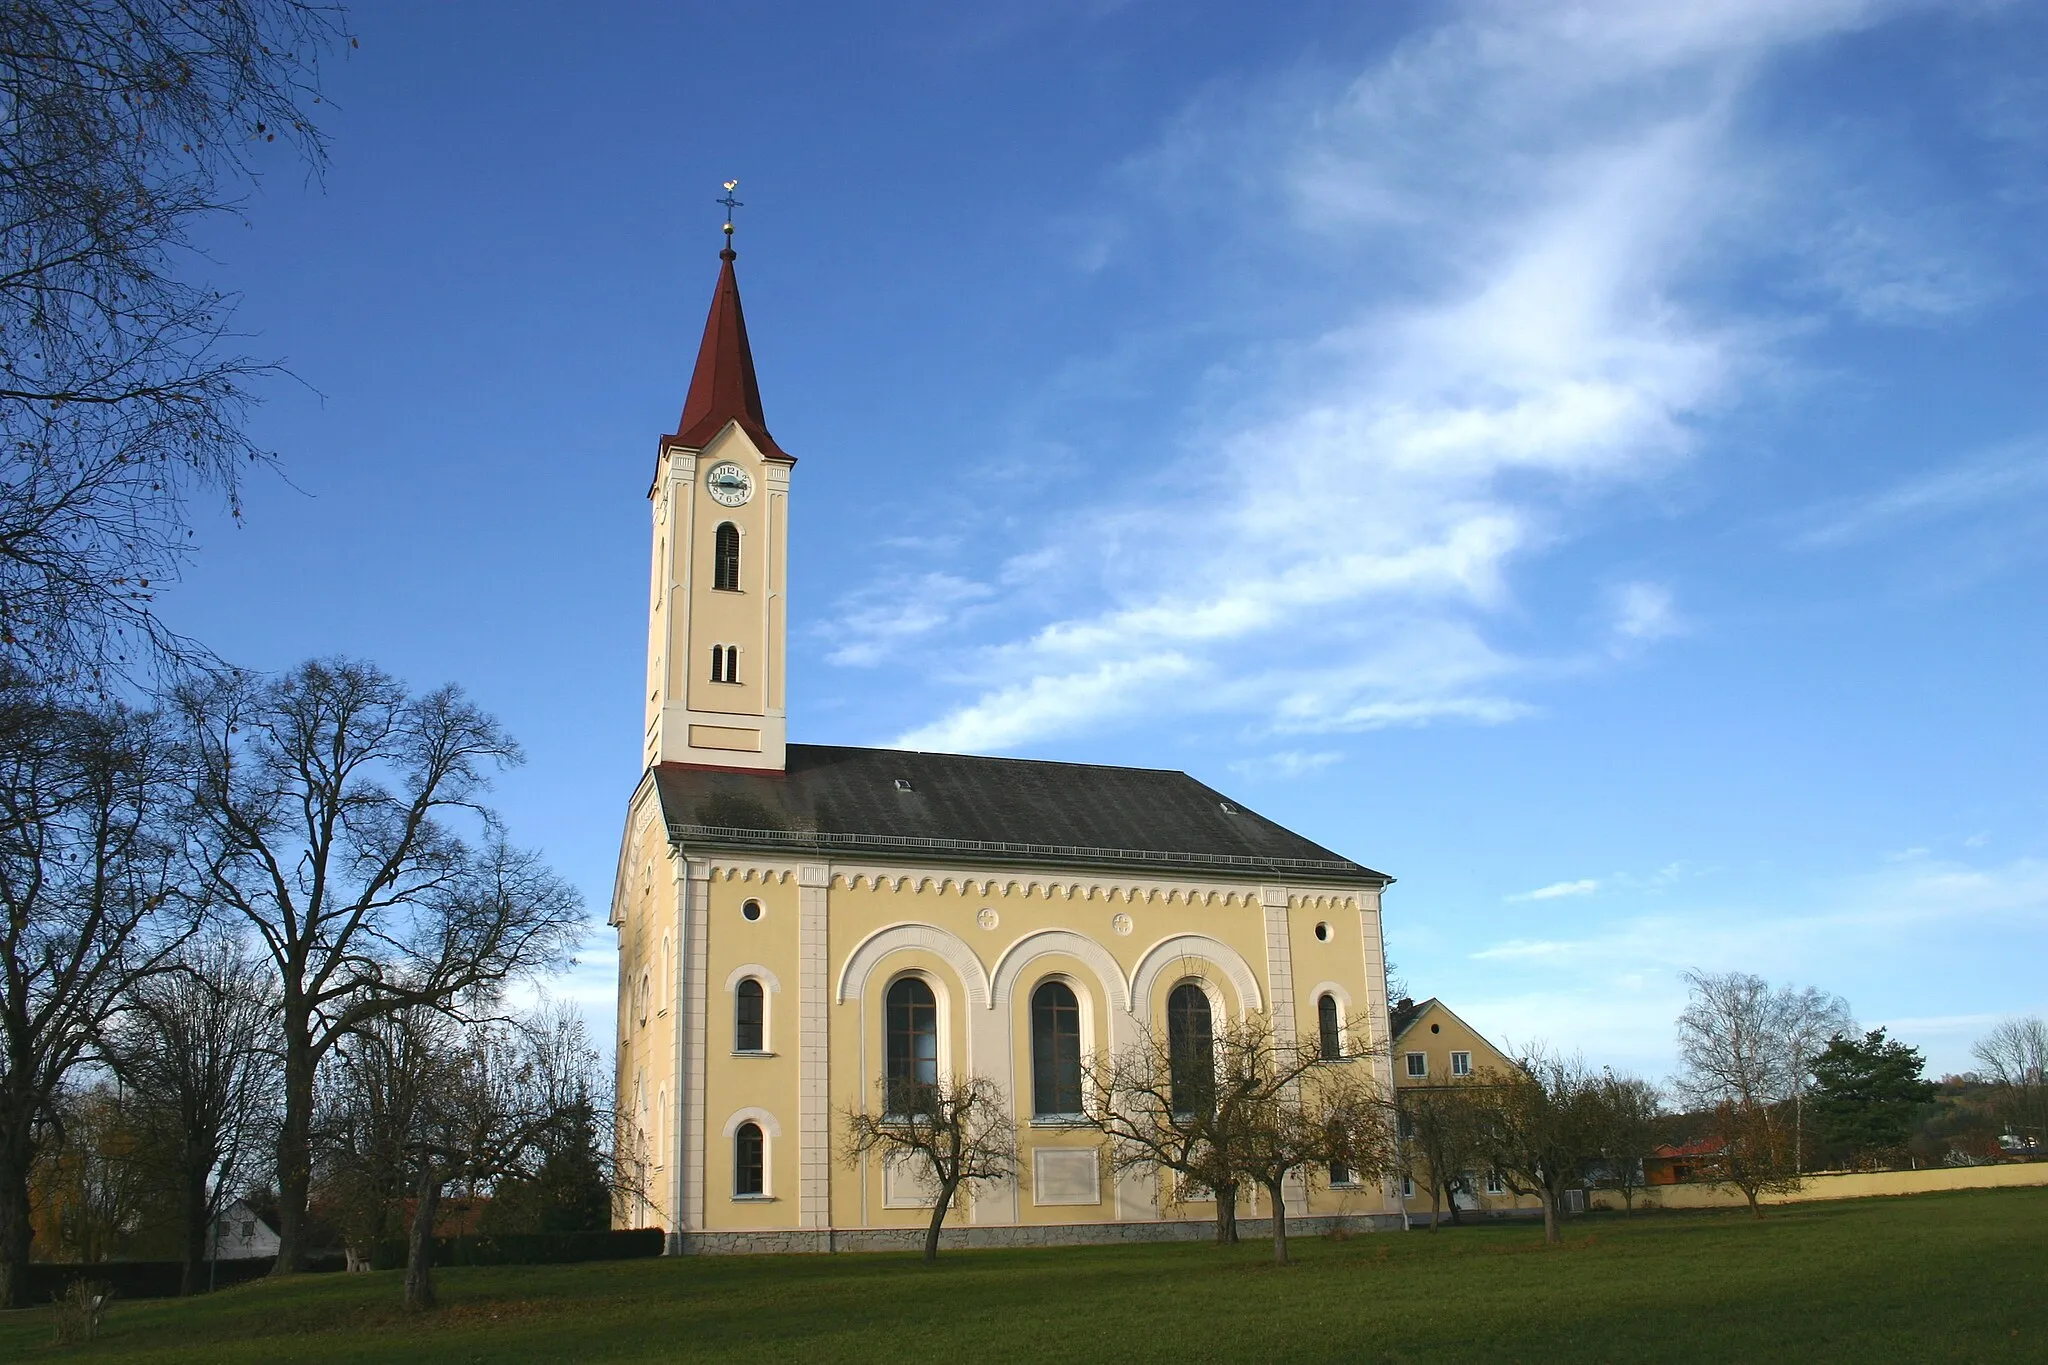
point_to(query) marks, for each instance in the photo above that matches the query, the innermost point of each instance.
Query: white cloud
(1644, 612)
(1286, 763)
(1051, 704)
(1585, 886)
(876, 620)
(1547, 183)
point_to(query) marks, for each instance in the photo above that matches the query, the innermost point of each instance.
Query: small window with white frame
(1494, 1184)
(1461, 1063)
(1407, 1187)
(1418, 1065)
(1341, 1176)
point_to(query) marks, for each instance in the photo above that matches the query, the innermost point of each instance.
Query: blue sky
(1590, 462)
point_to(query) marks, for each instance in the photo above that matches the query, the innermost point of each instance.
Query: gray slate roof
(1002, 810)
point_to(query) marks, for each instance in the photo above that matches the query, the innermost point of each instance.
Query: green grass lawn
(1934, 1277)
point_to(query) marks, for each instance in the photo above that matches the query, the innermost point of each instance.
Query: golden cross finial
(730, 204)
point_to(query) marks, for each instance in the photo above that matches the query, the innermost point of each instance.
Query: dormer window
(903, 785)
(725, 563)
(725, 663)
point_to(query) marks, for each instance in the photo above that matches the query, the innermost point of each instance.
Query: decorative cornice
(992, 850)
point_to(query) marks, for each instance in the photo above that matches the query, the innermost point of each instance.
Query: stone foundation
(1019, 1235)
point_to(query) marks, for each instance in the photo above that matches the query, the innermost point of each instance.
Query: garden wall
(1860, 1185)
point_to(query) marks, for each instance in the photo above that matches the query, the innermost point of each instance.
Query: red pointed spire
(723, 388)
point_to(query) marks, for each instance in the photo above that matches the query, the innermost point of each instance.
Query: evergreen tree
(1869, 1094)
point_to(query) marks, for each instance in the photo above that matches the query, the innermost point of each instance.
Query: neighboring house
(1434, 1047)
(239, 1235)
(797, 921)
(1676, 1165)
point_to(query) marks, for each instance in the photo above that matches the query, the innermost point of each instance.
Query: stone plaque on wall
(1065, 1176)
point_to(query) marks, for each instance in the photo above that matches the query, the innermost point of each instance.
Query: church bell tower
(718, 620)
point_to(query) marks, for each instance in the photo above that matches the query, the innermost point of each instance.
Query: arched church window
(749, 1160)
(912, 1045)
(1191, 1048)
(725, 663)
(749, 1017)
(1055, 1051)
(725, 563)
(1329, 1025)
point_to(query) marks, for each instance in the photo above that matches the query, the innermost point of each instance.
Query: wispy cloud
(1394, 468)
(1286, 763)
(2009, 474)
(1585, 886)
(878, 619)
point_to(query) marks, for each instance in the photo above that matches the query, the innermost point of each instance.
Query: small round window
(1323, 931)
(751, 910)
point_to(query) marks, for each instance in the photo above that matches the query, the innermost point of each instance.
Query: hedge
(528, 1248)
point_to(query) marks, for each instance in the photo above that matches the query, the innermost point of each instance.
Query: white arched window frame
(1336, 992)
(771, 987)
(771, 1131)
(666, 985)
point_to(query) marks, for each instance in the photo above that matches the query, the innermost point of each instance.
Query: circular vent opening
(751, 910)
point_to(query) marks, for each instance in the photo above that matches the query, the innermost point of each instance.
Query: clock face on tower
(728, 484)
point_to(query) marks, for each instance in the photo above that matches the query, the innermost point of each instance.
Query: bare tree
(2015, 1058)
(123, 123)
(1332, 1113)
(91, 908)
(1631, 1114)
(1543, 1126)
(374, 1094)
(1756, 1153)
(1742, 1039)
(192, 1049)
(1443, 1136)
(1239, 1106)
(340, 816)
(950, 1132)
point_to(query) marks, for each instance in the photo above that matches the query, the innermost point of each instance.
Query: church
(797, 921)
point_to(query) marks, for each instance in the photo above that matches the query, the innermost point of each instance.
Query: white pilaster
(814, 1100)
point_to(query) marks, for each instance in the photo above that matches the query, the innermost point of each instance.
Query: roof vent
(1226, 808)
(903, 785)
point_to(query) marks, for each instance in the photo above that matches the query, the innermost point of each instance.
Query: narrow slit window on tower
(725, 663)
(725, 567)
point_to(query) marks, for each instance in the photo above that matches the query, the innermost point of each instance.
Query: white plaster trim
(760, 1116)
(1171, 952)
(1047, 942)
(864, 960)
(753, 969)
(1333, 988)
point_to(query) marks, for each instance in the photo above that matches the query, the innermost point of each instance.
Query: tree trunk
(198, 1222)
(1276, 1190)
(1552, 1231)
(419, 1251)
(295, 1150)
(1628, 1201)
(931, 1234)
(15, 1231)
(1436, 1205)
(1451, 1198)
(1226, 1215)
(1754, 1210)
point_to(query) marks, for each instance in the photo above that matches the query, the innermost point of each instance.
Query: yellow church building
(797, 921)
